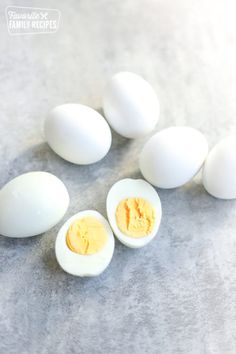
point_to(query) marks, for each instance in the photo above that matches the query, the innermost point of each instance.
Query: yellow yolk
(86, 236)
(135, 217)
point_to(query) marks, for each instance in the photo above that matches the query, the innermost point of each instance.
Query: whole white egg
(129, 188)
(31, 204)
(77, 133)
(130, 105)
(219, 172)
(173, 156)
(83, 264)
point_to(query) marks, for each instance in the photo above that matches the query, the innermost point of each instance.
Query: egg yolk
(135, 217)
(86, 236)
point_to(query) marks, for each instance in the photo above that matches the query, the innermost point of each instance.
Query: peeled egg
(77, 133)
(219, 172)
(134, 212)
(173, 156)
(85, 244)
(31, 204)
(130, 105)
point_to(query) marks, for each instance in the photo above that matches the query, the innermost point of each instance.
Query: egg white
(132, 188)
(77, 133)
(84, 265)
(32, 204)
(130, 105)
(219, 171)
(173, 156)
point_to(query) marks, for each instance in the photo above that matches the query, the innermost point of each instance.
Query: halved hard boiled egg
(85, 244)
(134, 212)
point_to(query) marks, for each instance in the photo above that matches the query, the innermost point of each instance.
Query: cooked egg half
(85, 244)
(134, 212)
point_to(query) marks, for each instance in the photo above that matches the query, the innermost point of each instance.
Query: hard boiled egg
(219, 172)
(31, 204)
(77, 133)
(134, 212)
(130, 105)
(173, 156)
(85, 244)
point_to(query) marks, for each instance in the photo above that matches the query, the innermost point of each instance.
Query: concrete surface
(177, 295)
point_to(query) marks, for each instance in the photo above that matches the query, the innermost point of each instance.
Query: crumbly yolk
(86, 236)
(135, 217)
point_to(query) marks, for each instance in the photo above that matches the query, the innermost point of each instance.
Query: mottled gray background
(177, 295)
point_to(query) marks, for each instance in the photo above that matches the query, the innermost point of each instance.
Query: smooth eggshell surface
(219, 172)
(77, 133)
(173, 156)
(130, 105)
(31, 204)
(84, 265)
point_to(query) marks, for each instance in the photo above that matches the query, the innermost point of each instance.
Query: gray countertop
(178, 294)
